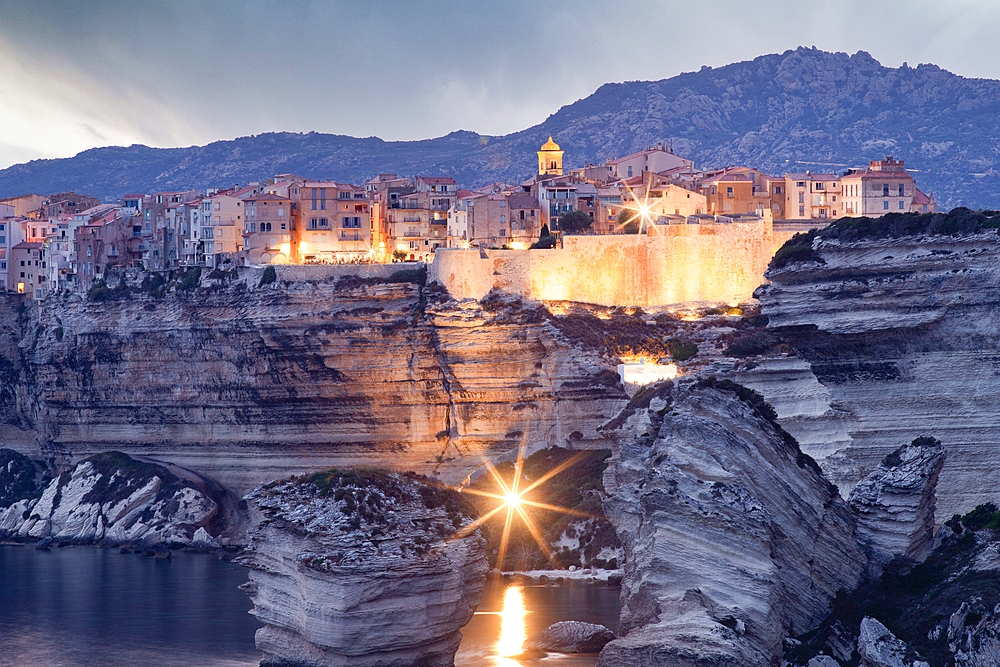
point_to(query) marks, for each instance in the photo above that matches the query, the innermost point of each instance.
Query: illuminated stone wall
(713, 262)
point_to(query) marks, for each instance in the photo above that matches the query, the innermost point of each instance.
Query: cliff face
(361, 570)
(900, 340)
(732, 537)
(246, 384)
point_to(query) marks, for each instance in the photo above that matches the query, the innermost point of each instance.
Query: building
(28, 269)
(24, 204)
(884, 187)
(811, 196)
(67, 203)
(550, 159)
(334, 222)
(267, 231)
(656, 159)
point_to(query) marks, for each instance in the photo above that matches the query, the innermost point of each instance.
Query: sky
(76, 74)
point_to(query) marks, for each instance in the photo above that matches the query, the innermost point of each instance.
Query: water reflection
(509, 613)
(512, 630)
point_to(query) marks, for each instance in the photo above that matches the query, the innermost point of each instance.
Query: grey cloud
(412, 69)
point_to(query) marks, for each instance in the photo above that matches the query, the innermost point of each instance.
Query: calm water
(95, 607)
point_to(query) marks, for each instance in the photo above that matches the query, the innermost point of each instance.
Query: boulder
(732, 535)
(358, 569)
(878, 647)
(112, 499)
(895, 504)
(571, 637)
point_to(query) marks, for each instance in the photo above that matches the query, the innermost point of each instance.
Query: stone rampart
(714, 262)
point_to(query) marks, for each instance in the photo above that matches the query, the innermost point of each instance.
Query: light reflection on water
(510, 613)
(91, 607)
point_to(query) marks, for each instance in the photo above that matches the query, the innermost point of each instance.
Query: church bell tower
(550, 159)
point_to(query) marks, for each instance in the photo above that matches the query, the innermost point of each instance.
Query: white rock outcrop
(901, 336)
(361, 569)
(112, 499)
(878, 647)
(894, 505)
(571, 637)
(733, 538)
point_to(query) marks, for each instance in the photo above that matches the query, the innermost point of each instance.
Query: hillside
(802, 109)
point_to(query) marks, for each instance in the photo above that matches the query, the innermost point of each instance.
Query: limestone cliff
(110, 499)
(358, 569)
(895, 504)
(732, 536)
(899, 337)
(323, 367)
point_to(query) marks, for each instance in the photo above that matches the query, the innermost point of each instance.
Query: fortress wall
(677, 264)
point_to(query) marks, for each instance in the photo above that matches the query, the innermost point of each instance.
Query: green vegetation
(799, 248)
(268, 276)
(626, 335)
(418, 276)
(545, 242)
(575, 221)
(914, 600)
(576, 488)
(681, 349)
(959, 221)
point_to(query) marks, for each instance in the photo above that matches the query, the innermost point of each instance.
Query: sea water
(92, 607)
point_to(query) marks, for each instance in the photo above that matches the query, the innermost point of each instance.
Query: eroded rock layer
(361, 570)
(112, 499)
(247, 384)
(902, 335)
(733, 538)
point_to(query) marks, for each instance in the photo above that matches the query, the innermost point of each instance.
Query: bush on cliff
(956, 222)
(799, 248)
(268, 277)
(546, 242)
(418, 276)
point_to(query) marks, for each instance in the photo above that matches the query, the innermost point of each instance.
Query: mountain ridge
(787, 112)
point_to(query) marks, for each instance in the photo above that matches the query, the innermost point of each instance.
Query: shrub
(190, 279)
(799, 248)
(268, 277)
(544, 243)
(751, 344)
(575, 221)
(680, 349)
(418, 276)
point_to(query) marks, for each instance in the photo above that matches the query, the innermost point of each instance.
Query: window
(802, 198)
(777, 190)
(802, 211)
(503, 232)
(901, 191)
(800, 184)
(3, 227)
(218, 206)
(208, 233)
(281, 212)
(522, 215)
(88, 254)
(322, 205)
(314, 203)
(901, 203)
(344, 195)
(630, 171)
(503, 219)
(818, 186)
(885, 206)
(885, 191)
(282, 226)
(729, 193)
(502, 204)
(727, 206)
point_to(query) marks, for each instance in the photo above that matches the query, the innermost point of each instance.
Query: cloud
(79, 74)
